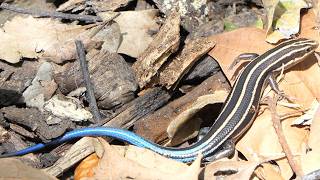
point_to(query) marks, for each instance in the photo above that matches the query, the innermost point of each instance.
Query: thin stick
(53, 14)
(85, 72)
(282, 140)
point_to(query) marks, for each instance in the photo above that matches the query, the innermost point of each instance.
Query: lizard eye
(309, 49)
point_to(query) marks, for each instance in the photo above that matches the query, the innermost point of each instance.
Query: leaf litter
(164, 60)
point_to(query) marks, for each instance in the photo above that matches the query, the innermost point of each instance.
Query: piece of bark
(130, 113)
(163, 45)
(34, 120)
(140, 107)
(4, 135)
(154, 126)
(22, 131)
(215, 26)
(203, 68)
(176, 69)
(14, 80)
(15, 143)
(112, 78)
(106, 5)
(93, 5)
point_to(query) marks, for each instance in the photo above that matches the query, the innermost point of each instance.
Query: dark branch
(85, 72)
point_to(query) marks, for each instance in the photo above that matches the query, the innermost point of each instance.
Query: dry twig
(39, 13)
(85, 72)
(282, 140)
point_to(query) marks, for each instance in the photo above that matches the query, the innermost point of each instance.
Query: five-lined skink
(235, 117)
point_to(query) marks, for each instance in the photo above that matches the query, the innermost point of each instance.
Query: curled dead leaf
(184, 126)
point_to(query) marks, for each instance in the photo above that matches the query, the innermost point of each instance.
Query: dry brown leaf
(163, 45)
(11, 168)
(261, 140)
(180, 65)
(141, 163)
(30, 37)
(184, 126)
(230, 44)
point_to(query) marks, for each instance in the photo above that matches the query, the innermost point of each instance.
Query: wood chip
(163, 45)
(180, 65)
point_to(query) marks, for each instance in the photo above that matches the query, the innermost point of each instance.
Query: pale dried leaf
(135, 27)
(111, 36)
(163, 45)
(29, 37)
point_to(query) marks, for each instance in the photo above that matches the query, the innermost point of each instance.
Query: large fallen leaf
(283, 18)
(229, 45)
(29, 37)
